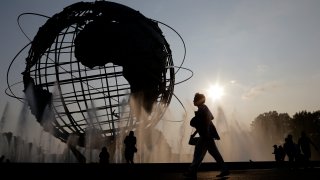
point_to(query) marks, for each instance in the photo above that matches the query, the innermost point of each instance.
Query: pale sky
(264, 54)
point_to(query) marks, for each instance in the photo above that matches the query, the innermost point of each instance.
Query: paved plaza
(155, 171)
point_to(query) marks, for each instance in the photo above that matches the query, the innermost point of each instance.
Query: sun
(215, 92)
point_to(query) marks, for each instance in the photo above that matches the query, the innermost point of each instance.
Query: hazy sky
(264, 54)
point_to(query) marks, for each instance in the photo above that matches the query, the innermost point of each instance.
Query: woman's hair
(199, 98)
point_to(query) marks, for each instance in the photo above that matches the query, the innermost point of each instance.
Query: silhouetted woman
(207, 133)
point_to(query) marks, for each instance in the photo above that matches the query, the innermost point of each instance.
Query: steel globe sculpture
(94, 68)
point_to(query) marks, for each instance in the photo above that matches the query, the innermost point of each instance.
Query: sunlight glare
(215, 92)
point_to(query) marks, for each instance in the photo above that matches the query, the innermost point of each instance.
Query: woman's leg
(199, 153)
(214, 152)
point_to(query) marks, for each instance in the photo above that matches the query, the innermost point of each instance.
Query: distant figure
(202, 122)
(304, 143)
(279, 155)
(130, 147)
(282, 153)
(290, 150)
(276, 153)
(104, 156)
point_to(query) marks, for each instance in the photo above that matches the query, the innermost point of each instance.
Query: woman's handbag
(193, 140)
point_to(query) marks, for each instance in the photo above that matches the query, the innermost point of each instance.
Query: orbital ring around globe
(84, 67)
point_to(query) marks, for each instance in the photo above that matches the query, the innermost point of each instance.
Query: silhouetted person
(276, 153)
(104, 156)
(130, 147)
(202, 122)
(279, 155)
(282, 154)
(304, 144)
(290, 149)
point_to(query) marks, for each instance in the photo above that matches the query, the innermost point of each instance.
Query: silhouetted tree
(271, 126)
(306, 121)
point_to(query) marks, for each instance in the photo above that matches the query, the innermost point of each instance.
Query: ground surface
(155, 171)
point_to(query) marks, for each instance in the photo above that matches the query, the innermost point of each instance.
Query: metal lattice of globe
(88, 63)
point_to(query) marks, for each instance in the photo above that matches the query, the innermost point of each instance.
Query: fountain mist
(161, 142)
